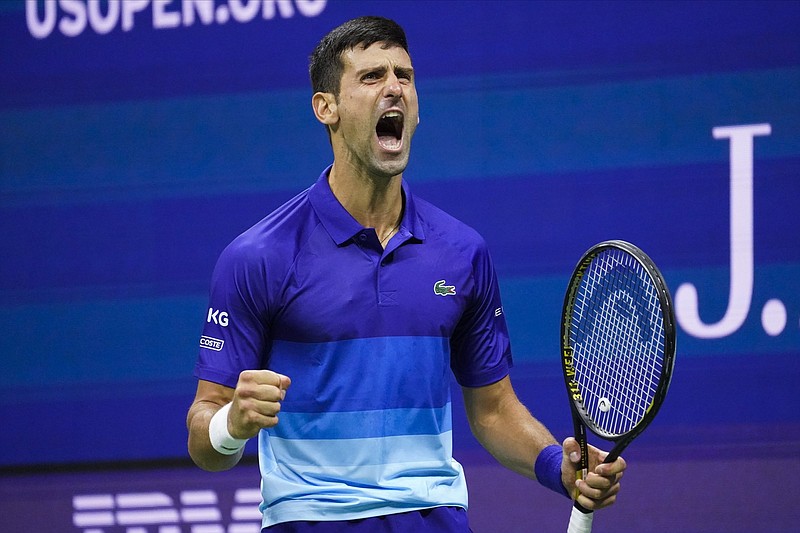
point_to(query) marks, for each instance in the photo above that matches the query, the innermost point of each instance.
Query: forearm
(209, 399)
(506, 429)
(200, 449)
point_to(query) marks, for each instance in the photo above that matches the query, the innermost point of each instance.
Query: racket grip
(580, 521)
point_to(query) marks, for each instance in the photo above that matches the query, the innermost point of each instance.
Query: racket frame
(580, 418)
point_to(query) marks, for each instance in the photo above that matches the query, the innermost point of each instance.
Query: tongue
(388, 141)
(388, 136)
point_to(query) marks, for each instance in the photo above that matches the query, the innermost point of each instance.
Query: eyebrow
(398, 70)
(408, 71)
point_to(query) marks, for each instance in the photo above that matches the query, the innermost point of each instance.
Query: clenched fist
(256, 402)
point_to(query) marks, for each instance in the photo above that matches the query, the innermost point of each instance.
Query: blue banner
(137, 138)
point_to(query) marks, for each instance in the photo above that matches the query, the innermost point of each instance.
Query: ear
(325, 108)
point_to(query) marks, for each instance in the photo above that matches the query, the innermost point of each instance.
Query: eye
(404, 75)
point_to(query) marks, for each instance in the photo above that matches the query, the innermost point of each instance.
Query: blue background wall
(136, 141)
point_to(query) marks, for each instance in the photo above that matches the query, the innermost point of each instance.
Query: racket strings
(618, 337)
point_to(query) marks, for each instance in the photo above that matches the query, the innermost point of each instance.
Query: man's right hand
(256, 402)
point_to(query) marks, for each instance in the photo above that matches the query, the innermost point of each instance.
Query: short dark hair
(325, 64)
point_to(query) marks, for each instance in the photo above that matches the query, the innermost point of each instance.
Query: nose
(393, 87)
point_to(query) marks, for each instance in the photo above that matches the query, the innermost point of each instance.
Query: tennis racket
(618, 350)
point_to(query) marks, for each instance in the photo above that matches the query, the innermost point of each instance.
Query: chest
(349, 292)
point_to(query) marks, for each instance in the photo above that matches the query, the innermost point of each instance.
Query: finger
(254, 409)
(260, 399)
(285, 383)
(596, 455)
(603, 483)
(263, 377)
(613, 468)
(572, 450)
(263, 385)
(593, 496)
(247, 416)
(594, 504)
(260, 393)
(252, 422)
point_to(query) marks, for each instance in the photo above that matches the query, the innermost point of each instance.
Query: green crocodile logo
(443, 290)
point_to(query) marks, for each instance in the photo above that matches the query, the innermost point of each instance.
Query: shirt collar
(341, 225)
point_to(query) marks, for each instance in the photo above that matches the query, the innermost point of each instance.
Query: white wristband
(221, 439)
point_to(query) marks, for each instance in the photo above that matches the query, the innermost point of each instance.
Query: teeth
(390, 129)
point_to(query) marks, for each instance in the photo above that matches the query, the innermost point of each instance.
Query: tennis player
(334, 324)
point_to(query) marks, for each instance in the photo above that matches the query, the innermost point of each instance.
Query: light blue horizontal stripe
(326, 455)
(365, 424)
(468, 130)
(354, 479)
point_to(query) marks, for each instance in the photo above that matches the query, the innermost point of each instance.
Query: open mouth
(390, 130)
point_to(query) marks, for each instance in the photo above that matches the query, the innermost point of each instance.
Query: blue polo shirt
(369, 337)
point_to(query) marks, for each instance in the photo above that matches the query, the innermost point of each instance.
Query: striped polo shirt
(369, 338)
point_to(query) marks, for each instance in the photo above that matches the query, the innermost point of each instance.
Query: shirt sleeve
(480, 346)
(235, 335)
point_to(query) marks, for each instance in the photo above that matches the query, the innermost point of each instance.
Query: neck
(373, 202)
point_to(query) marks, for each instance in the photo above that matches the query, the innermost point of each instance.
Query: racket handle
(580, 521)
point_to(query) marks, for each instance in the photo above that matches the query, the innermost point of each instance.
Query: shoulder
(441, 226)
(275, 239)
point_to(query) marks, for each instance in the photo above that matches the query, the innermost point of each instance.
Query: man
(363, 298)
